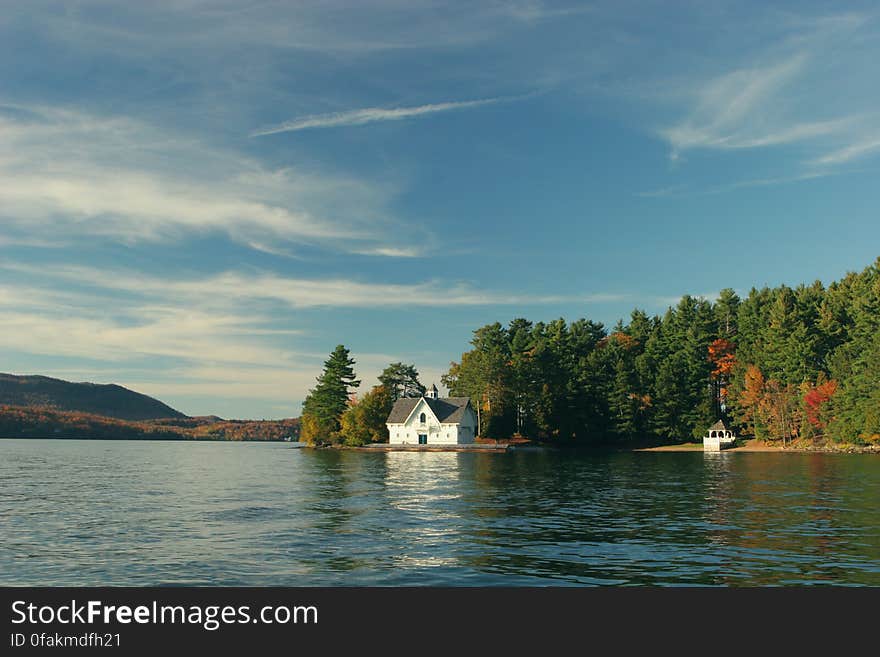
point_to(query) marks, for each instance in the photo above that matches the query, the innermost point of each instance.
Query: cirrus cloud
(369, 115)
(76, 175)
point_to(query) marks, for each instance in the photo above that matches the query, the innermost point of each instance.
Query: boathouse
(432, 420)
(718, 437)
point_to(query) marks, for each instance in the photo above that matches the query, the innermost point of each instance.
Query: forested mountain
(42, 407)
(783, 363)
(105, 400)
(44, 422)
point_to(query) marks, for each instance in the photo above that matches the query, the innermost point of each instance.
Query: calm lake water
(145, 513)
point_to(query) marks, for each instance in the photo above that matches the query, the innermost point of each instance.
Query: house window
(422, 418)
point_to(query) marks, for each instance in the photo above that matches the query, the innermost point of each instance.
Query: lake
(182, 513)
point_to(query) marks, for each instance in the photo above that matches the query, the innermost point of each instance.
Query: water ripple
(192, 514)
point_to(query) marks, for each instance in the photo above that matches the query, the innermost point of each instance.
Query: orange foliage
(816, 398)
(622, 339)
(770, 404)
(752, 394)
(721, 355)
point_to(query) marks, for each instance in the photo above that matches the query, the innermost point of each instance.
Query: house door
(423, 439)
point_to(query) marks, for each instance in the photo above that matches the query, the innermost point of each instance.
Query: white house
(431, 420)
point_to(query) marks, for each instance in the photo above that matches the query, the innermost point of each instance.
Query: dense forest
(781, 364)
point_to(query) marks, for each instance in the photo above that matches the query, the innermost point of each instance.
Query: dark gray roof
(719, 426)
(447, 409)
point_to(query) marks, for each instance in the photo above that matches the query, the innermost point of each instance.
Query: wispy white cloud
(201, 358)
(684, 191)
(800, 86)
(36, 242)
(76, 175)
(869, 145)
(295, 292)
(169, 333)
(271, 249)
(369, 115)
(375, 27)
(212, 363)
(744, 109)
(209, 366)
(393, 251)
(533, 11)
(179, 29)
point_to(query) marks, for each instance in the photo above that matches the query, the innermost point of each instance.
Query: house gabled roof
(449, 410)
(719, 426)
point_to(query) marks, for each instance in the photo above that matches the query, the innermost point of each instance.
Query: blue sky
(199, 200)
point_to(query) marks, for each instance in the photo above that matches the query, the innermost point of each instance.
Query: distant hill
(44, 422)
(107, 400)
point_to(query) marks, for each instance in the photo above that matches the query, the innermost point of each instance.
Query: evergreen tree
(523, 375)
(401, 380)
(855, 364)
(726, 313)
(325, 404)
(625, 402)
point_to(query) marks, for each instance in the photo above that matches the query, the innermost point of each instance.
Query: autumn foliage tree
(722, 356)
(364, 420)
(751, 414)
(782, 410)
(816, 403)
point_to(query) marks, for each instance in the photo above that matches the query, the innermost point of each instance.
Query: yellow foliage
(310, 429)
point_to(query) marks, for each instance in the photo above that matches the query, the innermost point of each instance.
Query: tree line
(780, 364)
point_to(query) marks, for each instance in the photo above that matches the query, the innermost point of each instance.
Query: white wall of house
(467, 430)
(407, 433)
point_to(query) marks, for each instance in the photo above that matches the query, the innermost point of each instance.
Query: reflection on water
(718, 493)
(422, 491)
(139, 513)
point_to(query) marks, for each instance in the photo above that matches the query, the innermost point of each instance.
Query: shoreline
(151, 439)
(752, 446)
(758, 446)
(748, 447)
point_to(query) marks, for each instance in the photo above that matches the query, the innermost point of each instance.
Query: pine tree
(625, 404)
(325, 404)
(726, 310)
(401, 381)
(523, 376)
